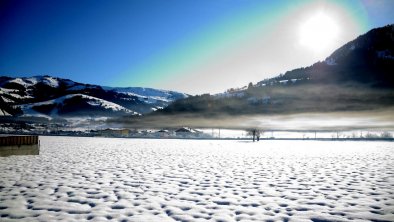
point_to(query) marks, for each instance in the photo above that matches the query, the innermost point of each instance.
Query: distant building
(186, 132)
(115, 132)
(164, 134)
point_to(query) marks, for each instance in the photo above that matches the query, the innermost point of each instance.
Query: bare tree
(255, 133)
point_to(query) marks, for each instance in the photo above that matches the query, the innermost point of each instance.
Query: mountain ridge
(372, 52)
(47, 96)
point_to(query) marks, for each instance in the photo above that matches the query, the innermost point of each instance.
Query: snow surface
(99, 179)
(148, 99)
(20, 97)
(145, 91)
(4, 113)
(148, 95)
(6, 91)
(7, 100)
(331, 62)
(31, 81)
(50, 81)
(20, 81)
(13, 93)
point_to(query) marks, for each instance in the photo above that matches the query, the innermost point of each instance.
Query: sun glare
(319, 32)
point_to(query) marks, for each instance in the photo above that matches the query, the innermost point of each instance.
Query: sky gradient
(190, 46)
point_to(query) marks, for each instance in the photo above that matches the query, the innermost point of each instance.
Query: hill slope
(368, 60)
(358, 76)
(47, 96)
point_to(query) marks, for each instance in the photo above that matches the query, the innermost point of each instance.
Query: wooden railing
(18, 140)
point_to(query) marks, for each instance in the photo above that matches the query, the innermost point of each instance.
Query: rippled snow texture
(98, 179)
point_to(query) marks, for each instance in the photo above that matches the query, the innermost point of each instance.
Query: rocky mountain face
(52, 97)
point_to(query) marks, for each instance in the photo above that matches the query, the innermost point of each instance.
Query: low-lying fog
(330, 121)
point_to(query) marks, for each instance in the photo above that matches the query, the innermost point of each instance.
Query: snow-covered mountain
(47, 96)
(149, 95)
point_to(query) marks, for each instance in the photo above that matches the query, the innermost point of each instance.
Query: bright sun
(319, 32)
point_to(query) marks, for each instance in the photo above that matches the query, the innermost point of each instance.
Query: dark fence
(18, 140)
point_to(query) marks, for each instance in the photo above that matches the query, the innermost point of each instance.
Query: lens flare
(319, 32)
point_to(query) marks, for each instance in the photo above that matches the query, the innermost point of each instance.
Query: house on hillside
(164, 134)
(115, 132)
(186, 132)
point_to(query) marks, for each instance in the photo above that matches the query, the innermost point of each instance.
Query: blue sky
(191, 46)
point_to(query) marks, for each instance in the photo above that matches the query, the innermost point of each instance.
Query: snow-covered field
(98, 179)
